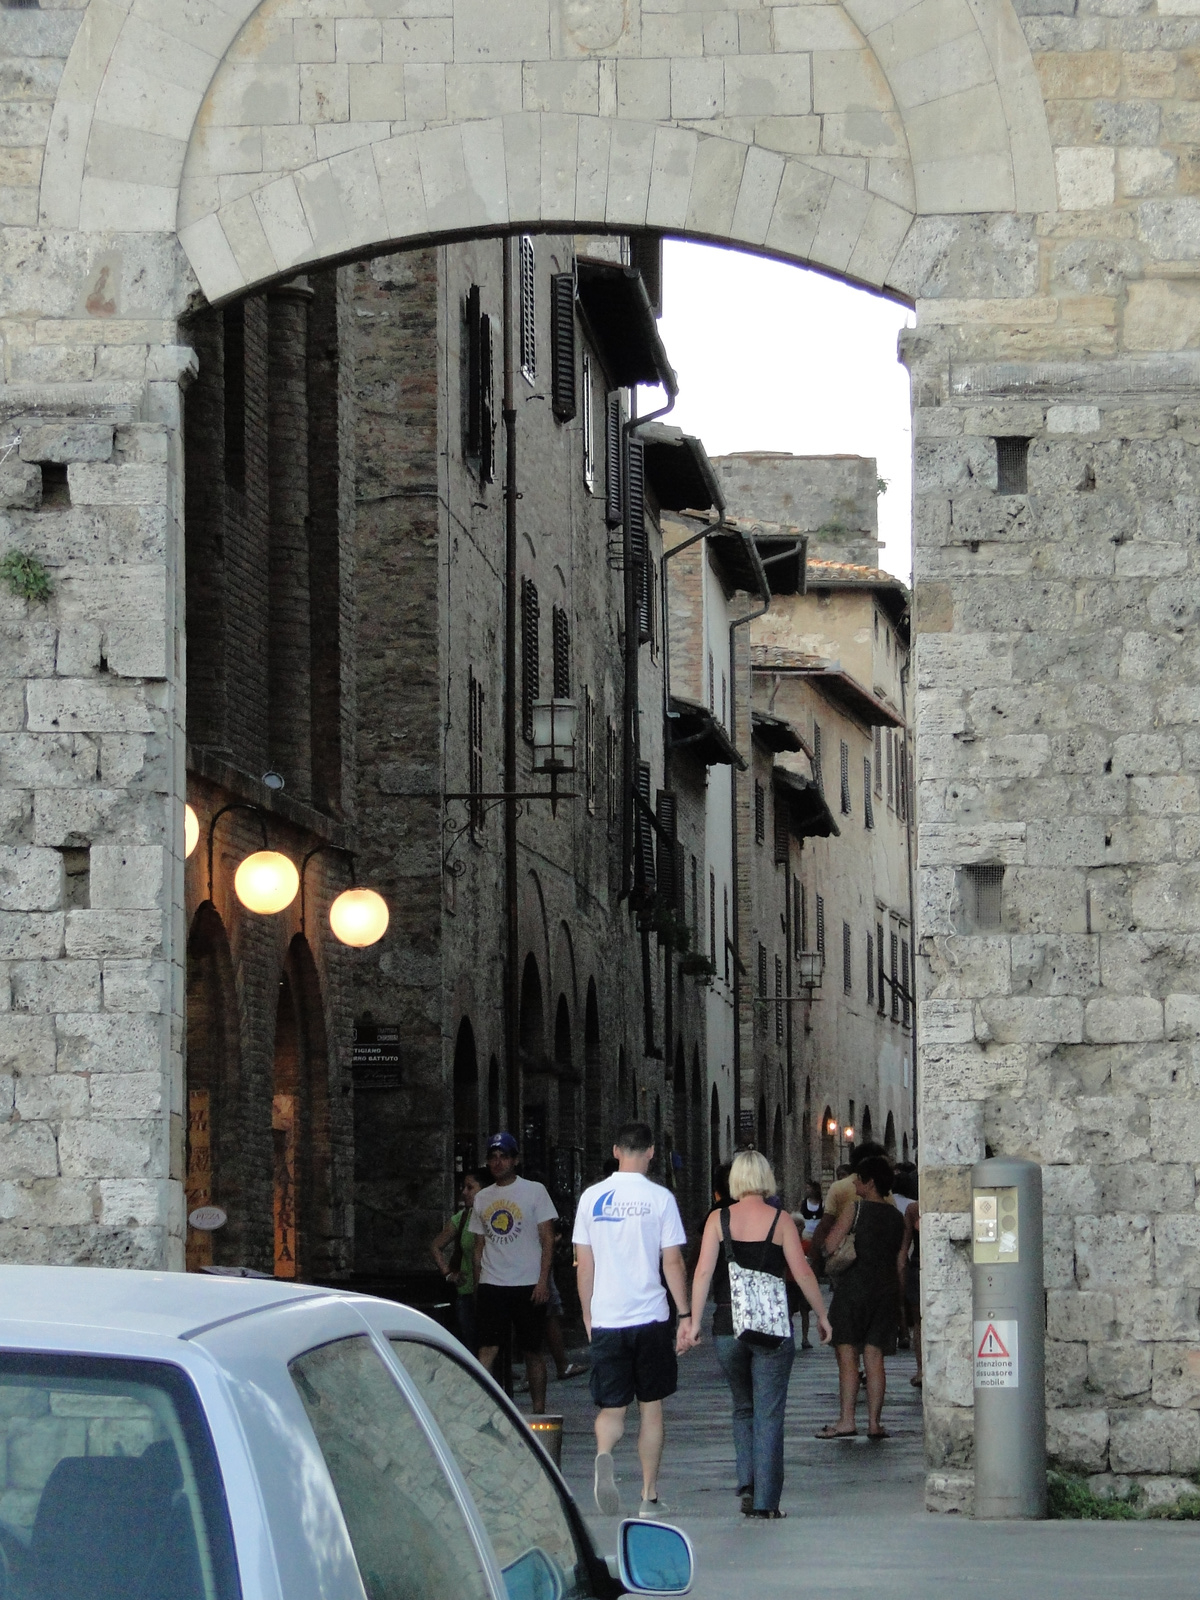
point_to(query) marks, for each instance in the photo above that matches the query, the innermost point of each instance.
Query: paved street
(856, 1527)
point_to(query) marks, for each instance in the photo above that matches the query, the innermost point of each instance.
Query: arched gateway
(1027, 182)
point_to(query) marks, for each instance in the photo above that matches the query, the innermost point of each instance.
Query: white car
(177, 1437)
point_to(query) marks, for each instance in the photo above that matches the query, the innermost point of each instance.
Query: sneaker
(653, 1509)
(608, 1501)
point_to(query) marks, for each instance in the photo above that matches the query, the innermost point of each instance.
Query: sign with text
(996, 1355)
(376, 1056)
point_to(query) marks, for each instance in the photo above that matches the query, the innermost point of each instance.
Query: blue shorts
(633, 1363)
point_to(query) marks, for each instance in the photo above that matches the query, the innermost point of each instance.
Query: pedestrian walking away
(458, 1268)
(866, 1296)
(747, 1240)
(513, 1224)
(628, 1237)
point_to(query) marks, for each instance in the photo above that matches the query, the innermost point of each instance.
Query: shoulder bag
(758, 1300)
(846, 1253)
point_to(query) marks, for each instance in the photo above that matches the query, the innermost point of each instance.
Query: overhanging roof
(693, 728)
(811, 818)
(621, 321)
(679, 470)
(836, 684)
(785, 576)
(775, 733)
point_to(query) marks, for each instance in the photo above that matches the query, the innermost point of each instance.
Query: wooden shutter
(562, 655)
(487, 409)
(644, 834)
(562, 344)
(474, 375)
(782, 829)
(613, 500)
(868, 808)
(530, 654)
(639, 550)
(669, 864)
(528, 311)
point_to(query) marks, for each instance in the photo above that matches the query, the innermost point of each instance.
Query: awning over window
(785, 576)
(693, 729)
(775, 733)
(622, 326)
(810, 817)
(679, 470)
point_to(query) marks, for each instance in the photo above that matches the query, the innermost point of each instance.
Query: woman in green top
(458, 1268)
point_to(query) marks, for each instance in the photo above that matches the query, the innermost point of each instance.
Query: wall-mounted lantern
(831, 1127)
(847, 1135)
(359, 917)
(554, 725)
(810, 966)
(191, 831)
(266, 882)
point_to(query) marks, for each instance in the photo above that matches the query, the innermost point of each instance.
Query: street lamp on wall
(810, 966)
(266, 882)
(191, 831)
(358, 917)
(554, 725)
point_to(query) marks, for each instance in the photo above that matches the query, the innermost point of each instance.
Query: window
(612, 776)
(409, 1535)
(980, 889)
(562, 345)
(799, 917)
(589, 751)
(817, 758)
(1012, 466)
(561, 644)
(112, 1483)
(587, 421)
(475, 748)
(879, 762)
(778, 1000)
(712, 919)
(894, 952)
(531, 665)
(870, 970)
(821, 925)
(760, 813)
(880, 985)
(845, 777)
(518, 1501)
(905, 1000)
(528, 311)
(762, 970)
(727, 949)
(868, 808)
(479, 445)
(847, 976)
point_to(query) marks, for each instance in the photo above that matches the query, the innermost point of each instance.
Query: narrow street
(856, 1527)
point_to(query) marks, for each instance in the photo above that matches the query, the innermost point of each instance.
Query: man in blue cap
(513, 1223)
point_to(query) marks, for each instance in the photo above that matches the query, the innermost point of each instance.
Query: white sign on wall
(996, 1355)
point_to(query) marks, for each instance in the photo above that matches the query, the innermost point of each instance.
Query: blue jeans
(758, 1381)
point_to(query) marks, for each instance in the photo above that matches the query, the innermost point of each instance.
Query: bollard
(1009, 1338)
(548, 1433)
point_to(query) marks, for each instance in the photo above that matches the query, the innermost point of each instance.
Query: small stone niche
(56, 488)
(1012, 465)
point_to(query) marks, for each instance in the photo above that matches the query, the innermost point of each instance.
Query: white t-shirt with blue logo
(628, 1222)
(507, 1215)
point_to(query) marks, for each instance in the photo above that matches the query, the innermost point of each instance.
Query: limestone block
(767, 85)
(1113, 1251)
(126, 1094)
(47, 1203)
(135, 986)
(1068, 1191)
(1165, 1491)
(20, 485)
(27, 1150)
(955, 1137)
(1171, 228)
(1151, 1440)
(1149, 1186)
(1066, 1373)
(964, 845)
(950, 1491)
(1046, 899)
(1155, 1314)
(50, 1096)
(1145, 172)
(31, 935)
(77, 705)
(945, 1188)
(1176, 1381)
(1086, 178)
(697, 89)
(1072, 1315)
(949, 1435)
(127, 876)
(131, 1202)
(1146, 752)
(1182, 1014)
(949, 1372)
(1058, 1252)
(1055, 964)
(1077, 1439)
(1177, 1250)
(966, 967)
(66, 441)
(114, 933)
(1073, 419)
(1161, 315)
(1021, 1019)
(107, 1043)
(55, 986)
(31, 879)
(91, 1147)
(947, 1022)
(1119, 1370)
(1134, 1018)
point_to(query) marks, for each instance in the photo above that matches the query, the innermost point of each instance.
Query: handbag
(846, 1254)
(758, 1300)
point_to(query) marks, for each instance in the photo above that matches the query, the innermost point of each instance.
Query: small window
(1012, 466)
(587, 422)
(891, 770)
(112, 1487)
(409, 1535)
(878, 784)
(712, 684)
(847, 970)
(894, 951)
(981, 890)
(868, 808)
(614, 501)
(479, 444)
(821, 924)
(760, 813)
(845, 778)
(905, 992)
(613, 776)
(531, 667)
(528, 311)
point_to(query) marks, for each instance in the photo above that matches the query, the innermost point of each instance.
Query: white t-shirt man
(628, 1222)
(507, 1215)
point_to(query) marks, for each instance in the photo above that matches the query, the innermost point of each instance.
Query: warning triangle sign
(991, 1344)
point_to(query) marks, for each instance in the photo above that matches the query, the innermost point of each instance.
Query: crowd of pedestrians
(760, 1264)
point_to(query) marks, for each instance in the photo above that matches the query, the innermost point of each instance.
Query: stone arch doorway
(220, 1160)
(593, 1087)
(714, 1130)
(530, 1112)
(682, 1119)
(828, 1146)
(466, 1099)
(301, 1165)
(889, 1138)
(777, 1149)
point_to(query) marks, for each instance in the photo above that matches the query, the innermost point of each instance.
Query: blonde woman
(763, 1238)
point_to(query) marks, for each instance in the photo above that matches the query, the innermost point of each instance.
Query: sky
(773, 357)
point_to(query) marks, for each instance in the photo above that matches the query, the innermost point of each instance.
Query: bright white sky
(771, 357)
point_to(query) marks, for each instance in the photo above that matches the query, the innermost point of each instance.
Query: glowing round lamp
(191, 831)
(359, 917)
(266, 882)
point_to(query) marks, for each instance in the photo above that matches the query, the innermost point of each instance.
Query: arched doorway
(889, 1137)
(867, 1130)
(700, 1189)
(777, 1150)
(593, 1087)
(494, 1099)
(806, 1147)
(220, 1158)
(466, 1100)
(761, 1138)
(828, 1146)
(714, 1131)
(533, 1116)
(301, 1166)
(682, 1117)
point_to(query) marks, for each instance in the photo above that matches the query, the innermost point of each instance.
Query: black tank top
(758, 1255)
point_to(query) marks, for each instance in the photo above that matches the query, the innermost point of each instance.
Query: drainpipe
(909, 802)
(764, 589)
(512, 996)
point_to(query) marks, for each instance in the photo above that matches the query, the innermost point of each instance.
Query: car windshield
(110, 1486)
(519, 1501)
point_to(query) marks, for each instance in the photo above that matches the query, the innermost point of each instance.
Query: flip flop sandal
(882, 1434)
(830, 1432)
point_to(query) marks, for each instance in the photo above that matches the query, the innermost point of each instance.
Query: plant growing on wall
(26, 576)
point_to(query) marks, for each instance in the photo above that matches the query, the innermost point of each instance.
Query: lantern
(266, 882)
(554, 735)
(359, 917)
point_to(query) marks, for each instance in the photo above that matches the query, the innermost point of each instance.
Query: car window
(519, 1502)
(109, 1485)
(410, 1537)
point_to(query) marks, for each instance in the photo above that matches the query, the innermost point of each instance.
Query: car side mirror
(654, 1558)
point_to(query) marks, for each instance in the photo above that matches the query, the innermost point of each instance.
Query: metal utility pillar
(1008, 1339)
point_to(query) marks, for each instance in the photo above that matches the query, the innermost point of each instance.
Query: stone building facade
(1024, 176)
